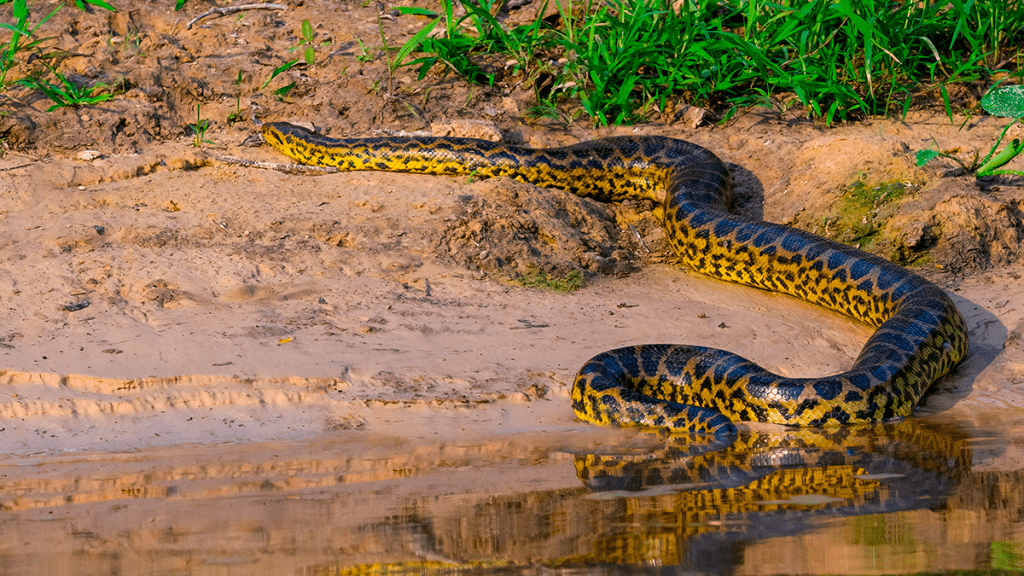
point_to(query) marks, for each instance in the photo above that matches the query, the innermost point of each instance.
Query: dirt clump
(513, 229)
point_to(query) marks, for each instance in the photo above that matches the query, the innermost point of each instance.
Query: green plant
(308, 43)
(1002, 101)
(622, 57)
(309, 53)
(20, 38)
(22, 41)
(872, 197)
(626, 59)
(199, 129)
(66, 92)
(81, 4)
(455, 49)
(277, 71)
(403, 52)
(364, 53)
(236, 114)
(282, 92)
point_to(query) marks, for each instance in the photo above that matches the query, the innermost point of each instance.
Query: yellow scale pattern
(920, 336)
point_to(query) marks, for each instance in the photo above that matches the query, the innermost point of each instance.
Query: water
(913, 496)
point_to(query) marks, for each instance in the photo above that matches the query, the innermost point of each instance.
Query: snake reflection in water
(920, 334)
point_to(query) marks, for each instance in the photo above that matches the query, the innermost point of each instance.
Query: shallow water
(905, 497)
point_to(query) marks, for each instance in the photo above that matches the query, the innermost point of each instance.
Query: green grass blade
(413, 43)
(282, 68)
(100, 3)
(417, 11)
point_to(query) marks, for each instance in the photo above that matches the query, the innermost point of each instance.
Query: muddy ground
(154, 295)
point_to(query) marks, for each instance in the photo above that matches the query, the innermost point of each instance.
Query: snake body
(920, 334)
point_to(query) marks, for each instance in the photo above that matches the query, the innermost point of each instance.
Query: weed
(282, 92)
(100, 3)
(364, 53)
(1006, 555)
(277, 71)
(199, 129)
(20, 41)
(454, 49)
(543, 110)
(308, 43)
(236, 114)
(394, 63)
(66, 92)
(308, 36)
(1005, 102)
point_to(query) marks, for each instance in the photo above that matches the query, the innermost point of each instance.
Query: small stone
(89, 155)
(694, 116)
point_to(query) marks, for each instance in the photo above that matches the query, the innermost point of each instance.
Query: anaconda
(920, 334)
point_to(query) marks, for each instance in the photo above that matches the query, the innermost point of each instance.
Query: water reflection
(673, 506)
(908, 496)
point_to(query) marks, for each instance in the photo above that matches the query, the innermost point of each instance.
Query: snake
(919, 333)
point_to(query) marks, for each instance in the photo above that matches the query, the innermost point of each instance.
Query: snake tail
(920, 335)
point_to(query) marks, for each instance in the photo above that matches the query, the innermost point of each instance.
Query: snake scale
(920, 334)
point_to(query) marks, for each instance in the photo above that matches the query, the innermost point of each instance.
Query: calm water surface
(908, 497)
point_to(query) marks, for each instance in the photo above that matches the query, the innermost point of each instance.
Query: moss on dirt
(863, 211)
(569, 282)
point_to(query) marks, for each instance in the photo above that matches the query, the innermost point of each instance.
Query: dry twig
(224, 10)
(286, 168)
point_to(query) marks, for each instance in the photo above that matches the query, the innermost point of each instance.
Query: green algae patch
(861, 213)
(569, 282)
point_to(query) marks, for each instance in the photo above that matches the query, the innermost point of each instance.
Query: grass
(24, 46)
(624, 61)
(199, 129)
(21, 43)
(67, 93)
(840, 59)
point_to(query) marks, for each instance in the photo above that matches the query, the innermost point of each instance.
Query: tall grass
(840, 58)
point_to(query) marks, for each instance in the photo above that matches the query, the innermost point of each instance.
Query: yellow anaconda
(920, 334)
